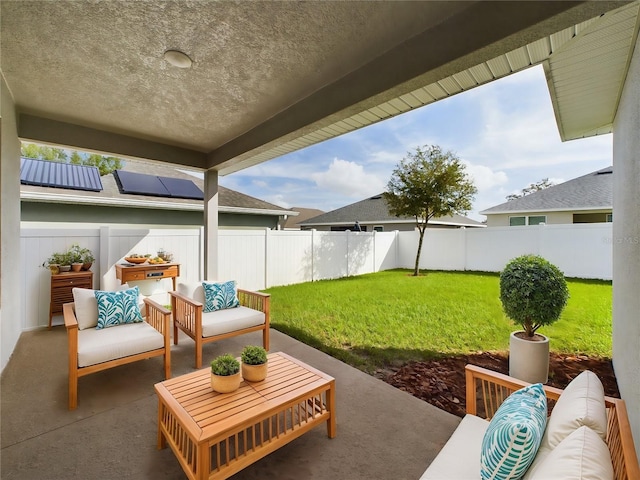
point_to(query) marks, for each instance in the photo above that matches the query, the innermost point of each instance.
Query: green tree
(533, 187)
(104, 164)
(429, 183)
(41, 152)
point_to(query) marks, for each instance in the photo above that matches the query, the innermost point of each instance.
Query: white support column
(211, 225)
(626, 244)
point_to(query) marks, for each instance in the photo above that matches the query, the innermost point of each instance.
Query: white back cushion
(192, 290)
(582, 455)
(581, 403)
(86, 306)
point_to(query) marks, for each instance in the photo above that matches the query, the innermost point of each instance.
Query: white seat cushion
(460, 457)
(229, 320)
(98, 346)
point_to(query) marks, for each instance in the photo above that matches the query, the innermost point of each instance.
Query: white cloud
(484, 178)
(348, 178)
(278, 200)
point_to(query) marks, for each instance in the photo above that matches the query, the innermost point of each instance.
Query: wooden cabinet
(61, 289)
(146, 271)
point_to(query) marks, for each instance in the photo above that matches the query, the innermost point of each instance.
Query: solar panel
(140, 184)
(182, 188)
(43, 173)
(154, 186)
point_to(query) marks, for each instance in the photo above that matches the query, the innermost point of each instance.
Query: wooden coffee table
(215, 435)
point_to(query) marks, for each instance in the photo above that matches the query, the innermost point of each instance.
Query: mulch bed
(442, 382)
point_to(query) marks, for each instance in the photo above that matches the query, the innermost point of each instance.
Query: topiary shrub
(254, 355)
(533, 292)
(225, 365)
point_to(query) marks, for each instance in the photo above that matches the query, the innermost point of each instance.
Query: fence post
(313, 254)
(105, 249)
(266, 257)
(348, 236)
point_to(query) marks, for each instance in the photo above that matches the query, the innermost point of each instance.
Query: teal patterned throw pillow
(219, 296)
(512, 439)
(115, 308)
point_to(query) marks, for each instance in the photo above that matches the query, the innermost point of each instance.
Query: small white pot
(529, 359)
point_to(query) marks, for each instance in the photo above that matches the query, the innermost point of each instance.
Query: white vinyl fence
(259, 259)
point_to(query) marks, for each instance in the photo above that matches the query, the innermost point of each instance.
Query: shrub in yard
(533, 292)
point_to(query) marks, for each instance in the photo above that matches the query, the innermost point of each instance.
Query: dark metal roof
(44, 173)
(593, 190)
(375, 209)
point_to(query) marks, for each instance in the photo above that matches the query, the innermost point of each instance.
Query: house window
(532, 220)
(537, 220)
(609, 217)
(378, 228)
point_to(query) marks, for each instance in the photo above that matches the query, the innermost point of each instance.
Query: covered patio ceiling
(269, 78)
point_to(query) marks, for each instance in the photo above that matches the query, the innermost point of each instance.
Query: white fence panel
(242, 257)
(489, 249)
(360, 253)
(289, 257)
(386, 251)
(582, 251)
(330, 255)
(442, 249)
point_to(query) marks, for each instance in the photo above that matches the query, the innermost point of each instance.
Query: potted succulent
(225, 373)
(87, 259)
(254, 363)
(533, 293)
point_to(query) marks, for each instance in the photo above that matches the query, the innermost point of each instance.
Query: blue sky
(505, 133)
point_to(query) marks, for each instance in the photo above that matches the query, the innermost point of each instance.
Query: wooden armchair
(187, 307)
(92, 350)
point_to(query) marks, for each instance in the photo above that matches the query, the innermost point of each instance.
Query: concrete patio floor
(383, 433)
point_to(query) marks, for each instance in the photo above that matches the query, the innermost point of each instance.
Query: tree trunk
(416, 268)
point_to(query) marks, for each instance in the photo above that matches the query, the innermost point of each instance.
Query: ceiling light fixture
(177, 58)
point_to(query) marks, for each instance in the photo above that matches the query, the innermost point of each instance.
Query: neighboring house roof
(303, 214)
(589, 192)
(375, 210)
(229, 201)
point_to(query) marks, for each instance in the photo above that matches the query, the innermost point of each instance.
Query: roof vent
(605, 171)
(377, 197)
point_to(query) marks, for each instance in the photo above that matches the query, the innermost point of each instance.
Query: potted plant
(54, 262)
(75, 257)
(254, 363)
(225, 373)
(87, 259)
(533, 293)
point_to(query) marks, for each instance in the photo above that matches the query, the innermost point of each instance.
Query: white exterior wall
(553, 218)
(626, 244)
(10, 265)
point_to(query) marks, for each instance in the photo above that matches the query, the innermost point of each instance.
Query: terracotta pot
(254, 373)
(76, 267)
(225, 384)
(87, 266)
(529, 359)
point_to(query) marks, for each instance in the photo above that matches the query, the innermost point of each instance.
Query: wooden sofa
(187, 307)
(156, 316)
(485, 392)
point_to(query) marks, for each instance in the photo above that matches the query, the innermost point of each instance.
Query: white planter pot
(529, 359)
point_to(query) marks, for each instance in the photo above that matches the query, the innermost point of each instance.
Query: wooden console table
(62, 285)
(215, 435)
(148, 271)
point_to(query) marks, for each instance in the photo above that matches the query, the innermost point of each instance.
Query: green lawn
(391, 317)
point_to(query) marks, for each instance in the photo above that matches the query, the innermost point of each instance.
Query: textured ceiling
(91, 75)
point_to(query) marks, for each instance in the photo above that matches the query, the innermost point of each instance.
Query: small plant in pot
(533, 293)
(254, 363)
(225, 373)
(54, 262)
(75, 257)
